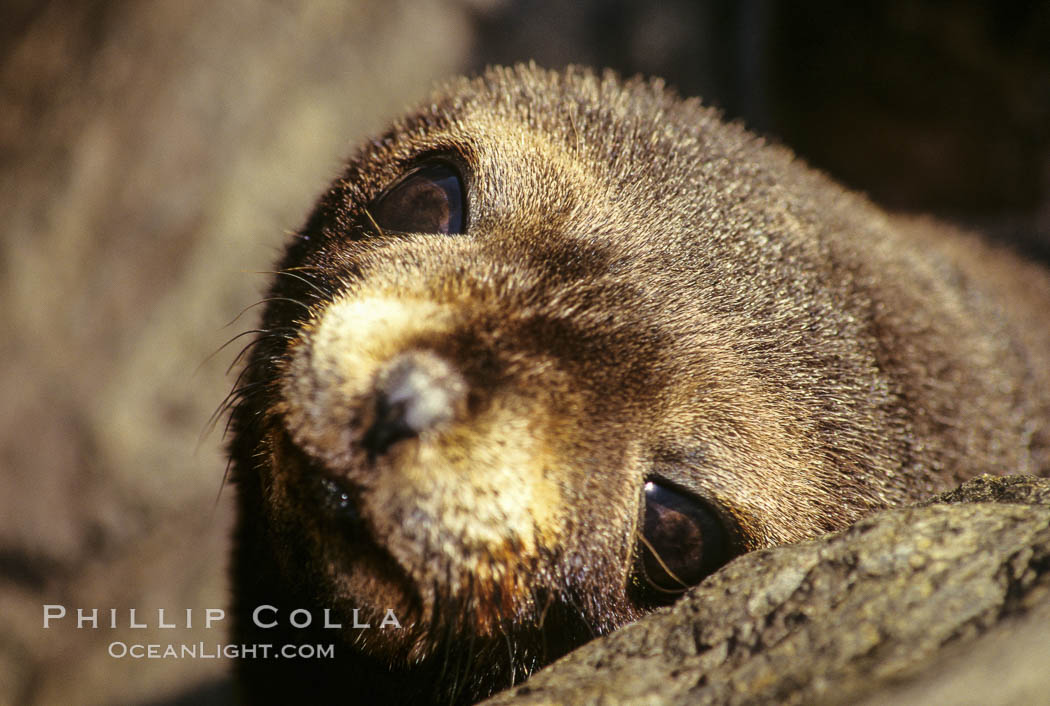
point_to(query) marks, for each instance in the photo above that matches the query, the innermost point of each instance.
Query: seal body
(536, 297)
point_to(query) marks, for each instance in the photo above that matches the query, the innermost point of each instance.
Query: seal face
(557, 346)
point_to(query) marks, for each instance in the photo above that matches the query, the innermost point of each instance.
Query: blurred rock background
(154, 153)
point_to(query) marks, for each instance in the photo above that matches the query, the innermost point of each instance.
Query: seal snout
(416, 392)
(360, 373)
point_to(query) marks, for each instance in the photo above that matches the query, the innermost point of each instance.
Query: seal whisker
(511, 661)
(222, 484)
(283, 333)
(285, 273)
(267, 300)
(221, 348)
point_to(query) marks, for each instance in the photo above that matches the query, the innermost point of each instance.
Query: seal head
(557, 346)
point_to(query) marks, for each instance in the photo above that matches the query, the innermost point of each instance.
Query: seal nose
(416, 392)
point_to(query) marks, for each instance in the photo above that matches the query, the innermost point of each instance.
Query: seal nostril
(391, 425)
(417, 392)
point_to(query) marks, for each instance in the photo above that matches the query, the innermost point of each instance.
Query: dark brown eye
(682, 541)
(427, 200)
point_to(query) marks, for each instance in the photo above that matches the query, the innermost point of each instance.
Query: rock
(945, 601)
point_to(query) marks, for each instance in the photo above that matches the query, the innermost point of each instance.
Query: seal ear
(428, 199)
(682, 541)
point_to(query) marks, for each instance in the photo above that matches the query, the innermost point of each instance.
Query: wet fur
(643, 291)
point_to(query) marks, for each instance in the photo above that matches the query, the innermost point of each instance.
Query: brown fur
(642, 291)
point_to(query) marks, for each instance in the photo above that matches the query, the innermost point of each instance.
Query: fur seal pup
(556, 346)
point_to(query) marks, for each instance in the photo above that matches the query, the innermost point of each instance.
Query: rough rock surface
(943, 602)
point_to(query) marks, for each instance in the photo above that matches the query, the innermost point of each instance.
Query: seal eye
(426, 200)
(682, 541)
